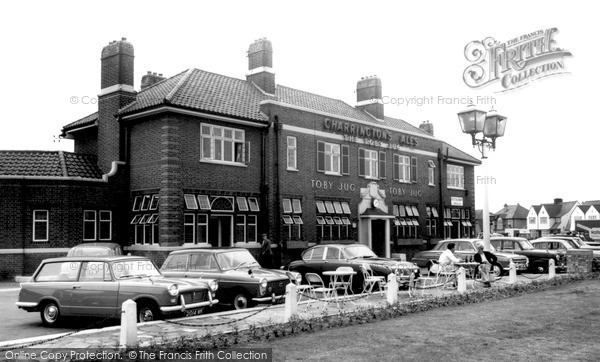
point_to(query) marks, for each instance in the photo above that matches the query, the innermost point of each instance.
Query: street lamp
(491, 125)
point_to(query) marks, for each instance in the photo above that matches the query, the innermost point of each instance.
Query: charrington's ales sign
(514, 63)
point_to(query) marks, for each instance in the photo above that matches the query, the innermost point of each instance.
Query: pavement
(157, 332)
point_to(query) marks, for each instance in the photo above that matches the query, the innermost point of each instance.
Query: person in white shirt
(447, 259)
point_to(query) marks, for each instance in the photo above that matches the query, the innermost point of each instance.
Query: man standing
(265, 257)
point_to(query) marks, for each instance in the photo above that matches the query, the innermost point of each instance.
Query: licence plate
(193, 312)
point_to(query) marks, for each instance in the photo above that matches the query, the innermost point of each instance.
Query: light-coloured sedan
(98, 286)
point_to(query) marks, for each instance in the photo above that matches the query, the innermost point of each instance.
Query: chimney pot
(124, 39)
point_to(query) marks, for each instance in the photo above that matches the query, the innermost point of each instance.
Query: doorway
(220, 230)
(378, 237)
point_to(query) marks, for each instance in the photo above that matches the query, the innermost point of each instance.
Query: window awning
(320, 220)
(346, 208)
(287, 219)
(297, 220)
(346, 221)
(204, 202)
(321, 207)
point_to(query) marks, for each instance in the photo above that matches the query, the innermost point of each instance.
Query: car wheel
(50, 314)
(147, 312)
(241, 301)
(496, 271)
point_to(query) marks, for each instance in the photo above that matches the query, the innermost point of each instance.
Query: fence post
(551, 269)
(128, 337)
(462, 280)
(392, 289)
(512, 272)
(291, 302)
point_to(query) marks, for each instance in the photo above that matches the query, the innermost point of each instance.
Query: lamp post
(491, 125)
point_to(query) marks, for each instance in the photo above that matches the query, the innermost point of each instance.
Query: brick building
(209, 160)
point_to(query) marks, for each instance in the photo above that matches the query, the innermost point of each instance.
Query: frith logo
(514, 63)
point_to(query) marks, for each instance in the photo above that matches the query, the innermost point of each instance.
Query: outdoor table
(340, 278)
(471, 266)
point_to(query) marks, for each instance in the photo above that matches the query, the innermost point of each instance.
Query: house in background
(547, 219)
(511, 219)
(586, 219)
(479, 222)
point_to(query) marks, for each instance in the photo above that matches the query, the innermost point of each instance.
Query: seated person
(485, 260)
(448, 259)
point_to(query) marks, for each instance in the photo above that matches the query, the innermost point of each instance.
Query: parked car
(577, 240)
(95, 249)
(564, 244)
(465, 249)
(538, 259)
(242, 281)
(329, 257)
(98, 286)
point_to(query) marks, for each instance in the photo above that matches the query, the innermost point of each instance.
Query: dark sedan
(538, 259)
(242, 281)
(329, 257)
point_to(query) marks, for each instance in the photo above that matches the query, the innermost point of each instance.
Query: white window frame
(46, 222)
(193, 224)
(332, 158)
(455, 177)
(403, 164)
(292, 153)
(371, 164)
(431, 176)
(93, 222)
(199, 223)
(216, 138)
(101, 221)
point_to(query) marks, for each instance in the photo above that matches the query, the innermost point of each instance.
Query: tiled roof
(584, 208)
(537, 208)
(513, 212)
(48, 164)
(558, 210)
(199, 90)
(85, 121)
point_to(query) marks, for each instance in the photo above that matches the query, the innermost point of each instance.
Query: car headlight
(173, 289)
(263, 286)
(213, 285)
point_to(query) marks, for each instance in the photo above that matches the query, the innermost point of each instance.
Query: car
(98, 286)
(95, 249)
(465, 249)
(538, 259)
(577, 240)
(328, 257)
(242, 281)
(564, 244)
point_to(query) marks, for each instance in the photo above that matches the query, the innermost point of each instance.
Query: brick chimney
(368, 96)
(427, 127)
(558, 201)
(260, 65)
(116, 92)
(151, 78)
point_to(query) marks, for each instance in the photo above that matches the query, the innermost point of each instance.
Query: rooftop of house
(48, 164)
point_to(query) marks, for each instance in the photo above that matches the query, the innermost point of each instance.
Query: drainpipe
(441, 159)
(277, 205)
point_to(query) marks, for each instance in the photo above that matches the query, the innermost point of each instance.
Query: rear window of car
(317, 254)
(58, 272)
(176, 262)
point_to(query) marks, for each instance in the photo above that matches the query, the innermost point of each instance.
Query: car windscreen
(235, 259)
(134, 269)
(359, 251)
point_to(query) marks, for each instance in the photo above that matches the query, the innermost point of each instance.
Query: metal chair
(370, 280)
(317, 286)
(300, 288)
(445, 275)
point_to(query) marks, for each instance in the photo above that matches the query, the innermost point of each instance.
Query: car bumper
(183, 307)
(28, 306)
(271, 298)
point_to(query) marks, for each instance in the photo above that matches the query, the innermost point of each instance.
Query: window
(253, 202)
(292, 224)
(40, 225)
(345, 160)
(532, 220)
(382, 165)
(401, 170)
(246, 230)
(189, 221)
(202, 229)
(204, 202)
(89, 225)
(456, 177)
(367, 163)
(328, 157)
(145, 203)
(190, 202)
(154, 202)
(431, 173)
(242, 203)
(543, 220)
(224, 145)
(137, 202)
(105, 225)
(144, 224)
(292, 152)
(329, 224)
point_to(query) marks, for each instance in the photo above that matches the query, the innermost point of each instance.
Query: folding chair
(317, 286)
(344, 283)
(370, 280)
(300, 288)
(445, 276)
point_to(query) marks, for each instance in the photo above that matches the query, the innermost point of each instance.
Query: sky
(51, 71)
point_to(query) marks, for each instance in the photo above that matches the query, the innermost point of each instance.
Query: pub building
(205, 160)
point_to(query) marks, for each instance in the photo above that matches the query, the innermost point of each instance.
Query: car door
(56, 280)
(95, 293)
